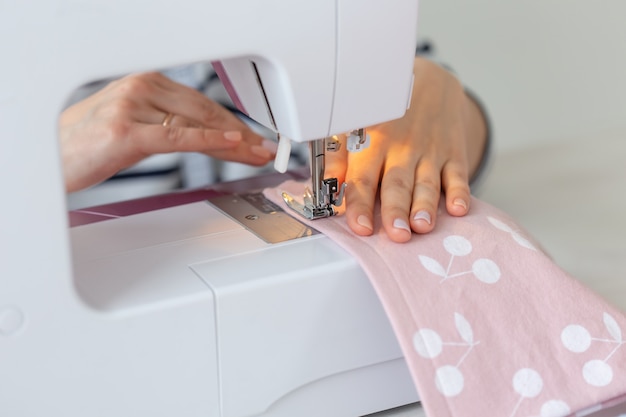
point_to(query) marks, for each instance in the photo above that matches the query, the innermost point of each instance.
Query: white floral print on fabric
(555, 408)
(485, 270)
(515, 234)
(577, 339)
(528, 384)
(428, 344)
(517, 318)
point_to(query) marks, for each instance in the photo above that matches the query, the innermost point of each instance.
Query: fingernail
(401, 224)
(422, 215)
(365, 222)
(234, 135)
(460, 202)
(270, 145)
(261, 151)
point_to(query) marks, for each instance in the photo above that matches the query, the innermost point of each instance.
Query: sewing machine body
(252, 328)
(89, 325)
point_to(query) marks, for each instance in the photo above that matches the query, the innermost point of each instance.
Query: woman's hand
(146, 114)
(435, 147)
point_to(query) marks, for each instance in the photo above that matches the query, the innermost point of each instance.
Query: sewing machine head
(362, 77)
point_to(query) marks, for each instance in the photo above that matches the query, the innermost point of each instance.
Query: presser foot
(333, 197)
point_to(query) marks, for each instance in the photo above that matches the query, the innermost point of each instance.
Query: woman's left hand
(145, 114)
(434, 148)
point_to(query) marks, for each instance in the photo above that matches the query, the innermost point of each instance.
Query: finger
(247, 153)
(396, 192)
(197, 108)
(176, 120)
(426, 195)
(189, 107)
(456, 188)
(362, 176)
(150, 139)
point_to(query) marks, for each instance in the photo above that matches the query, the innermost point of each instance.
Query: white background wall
(547, 69)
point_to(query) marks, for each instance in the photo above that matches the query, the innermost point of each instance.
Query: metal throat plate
(262, 217)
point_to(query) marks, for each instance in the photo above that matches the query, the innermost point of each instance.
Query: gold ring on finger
(167, 119)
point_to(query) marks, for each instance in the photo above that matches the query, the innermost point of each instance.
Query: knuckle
(363, 182)
(116, 134)
(429, 183)
(211, 113)
(123, 107)
(403, 184)
(120, 107)
(119, 130)
(427, 195)
(455, 170)
(138, 85)
(458, 190)
(455, 176)
(174, 135)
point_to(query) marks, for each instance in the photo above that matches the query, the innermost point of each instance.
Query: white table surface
(571, 196)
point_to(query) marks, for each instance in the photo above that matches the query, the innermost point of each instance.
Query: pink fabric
(488, 324)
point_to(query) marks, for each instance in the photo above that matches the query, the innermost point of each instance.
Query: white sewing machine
(184, 311)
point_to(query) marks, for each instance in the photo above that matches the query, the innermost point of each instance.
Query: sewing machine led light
(333, 144)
